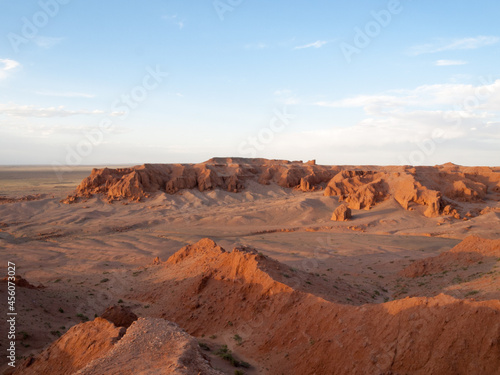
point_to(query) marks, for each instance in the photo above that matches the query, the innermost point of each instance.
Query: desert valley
(253, 266)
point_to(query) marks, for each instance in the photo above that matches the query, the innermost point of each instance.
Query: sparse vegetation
(238, 339)
(471, 293)
(226, 354)
(82, 317)
(204, 346)
(105, 280)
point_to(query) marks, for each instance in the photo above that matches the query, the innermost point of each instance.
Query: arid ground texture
(253, 266)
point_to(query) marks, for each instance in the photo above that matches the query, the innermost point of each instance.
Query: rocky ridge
(445, 189)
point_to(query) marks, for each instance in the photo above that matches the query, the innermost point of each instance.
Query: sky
(167, 81)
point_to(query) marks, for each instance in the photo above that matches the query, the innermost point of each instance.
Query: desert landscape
(253, 266)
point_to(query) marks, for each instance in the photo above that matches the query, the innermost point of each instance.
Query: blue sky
(365, 82)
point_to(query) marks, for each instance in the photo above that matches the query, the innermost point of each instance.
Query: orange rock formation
(440, 189)
(307, 334)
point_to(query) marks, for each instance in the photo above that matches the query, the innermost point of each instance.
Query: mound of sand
(99, 347)
(441, 190)
(471, 250)
(287, 329)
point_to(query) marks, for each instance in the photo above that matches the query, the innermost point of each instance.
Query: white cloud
(317, 44)
(65, 94)
(47, 42)
(6, 65)
(175, 20)
(403, 119)
(485, 95)
(450, 62)
(32, 111)
(455, 44)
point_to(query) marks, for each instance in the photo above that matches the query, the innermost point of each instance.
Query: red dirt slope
(287, 330)
(471, 250)
(99, 347)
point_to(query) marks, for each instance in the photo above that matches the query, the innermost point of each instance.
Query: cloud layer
(441, 113)
(6, 65)
(455, 44)
(33, 111)
(316, 44)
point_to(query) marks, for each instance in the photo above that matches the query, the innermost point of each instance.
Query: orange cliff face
(441, 189)
(285, 324)
(292, 329)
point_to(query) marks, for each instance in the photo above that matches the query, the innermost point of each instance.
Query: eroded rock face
(228, 174)
(99, 347)
(435, 188)
(153, 346)
(342, 213)
(75, 349)
(307, 334)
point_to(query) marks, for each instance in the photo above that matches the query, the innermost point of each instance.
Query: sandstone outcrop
(305, 334)
(75, 349)
(434, 188)
(342, 213)
(99, 347)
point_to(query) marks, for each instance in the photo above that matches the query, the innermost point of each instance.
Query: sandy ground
(89, 255)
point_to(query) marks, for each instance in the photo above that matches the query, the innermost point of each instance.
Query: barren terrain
(410, 284)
